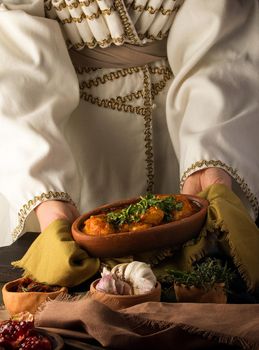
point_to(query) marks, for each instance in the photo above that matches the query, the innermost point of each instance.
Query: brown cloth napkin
(153, 325)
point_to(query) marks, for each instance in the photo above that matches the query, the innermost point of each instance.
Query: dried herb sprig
(133, 212)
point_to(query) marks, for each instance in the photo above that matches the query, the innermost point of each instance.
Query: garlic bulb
(138, 274)
(109, 284)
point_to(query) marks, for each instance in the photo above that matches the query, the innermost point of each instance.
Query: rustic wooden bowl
(191, 294)
(117, 302)
(16, 302)
(127, 243)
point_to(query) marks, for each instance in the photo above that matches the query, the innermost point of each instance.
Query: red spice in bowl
(24, 294)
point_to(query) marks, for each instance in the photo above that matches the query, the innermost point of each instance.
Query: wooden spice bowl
(16, 302)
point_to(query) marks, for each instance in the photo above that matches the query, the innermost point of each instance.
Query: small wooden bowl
(192, 294)
(117, 302)
(16, 302)
(128, 243)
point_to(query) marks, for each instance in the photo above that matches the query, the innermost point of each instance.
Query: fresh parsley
(133, 212)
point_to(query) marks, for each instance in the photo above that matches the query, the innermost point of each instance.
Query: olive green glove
(55, 258)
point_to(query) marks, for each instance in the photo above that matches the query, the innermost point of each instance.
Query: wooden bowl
(127, 243)
(191, 294)
(117, 302)
(16, 302)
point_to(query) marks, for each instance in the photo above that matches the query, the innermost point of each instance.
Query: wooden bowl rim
(12, 283)
(93, 289)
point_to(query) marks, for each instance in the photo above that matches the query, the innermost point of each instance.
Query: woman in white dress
(102, 100)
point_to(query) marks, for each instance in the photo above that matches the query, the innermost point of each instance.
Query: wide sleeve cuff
(212, 105)
(38, 94)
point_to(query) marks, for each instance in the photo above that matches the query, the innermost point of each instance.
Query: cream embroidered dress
(91, 135)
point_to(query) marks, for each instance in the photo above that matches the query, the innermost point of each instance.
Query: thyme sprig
(133, 212)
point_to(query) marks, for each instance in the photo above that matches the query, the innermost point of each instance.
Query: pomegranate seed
(35, 342)
(13, 330)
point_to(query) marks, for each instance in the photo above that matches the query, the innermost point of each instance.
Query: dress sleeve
(213, 102)
(38, 92)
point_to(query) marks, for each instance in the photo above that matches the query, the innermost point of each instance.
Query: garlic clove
(107, 284)
(118, 270)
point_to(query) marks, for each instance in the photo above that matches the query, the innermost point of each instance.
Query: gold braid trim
(81, 45)
(152, 10)
(167, 74)
(231, 171)
(127, 25)
(121, 73)
(117, 103)
(73, 5)
(92, 44)
(148, 36)
(162, 70)
(79, 4)
(120, 102)
(110, 76)
(31, 204)
(82, 70)
(60, 7)
(148, 129)
(81, 18)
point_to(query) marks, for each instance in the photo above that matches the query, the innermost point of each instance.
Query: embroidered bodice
(103, 22)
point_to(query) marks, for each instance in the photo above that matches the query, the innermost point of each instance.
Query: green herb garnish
(203, 275)
(134, 212)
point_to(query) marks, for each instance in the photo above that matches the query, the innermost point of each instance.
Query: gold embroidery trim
(148, 130)
(160, 70)
(81, 45)
(73, 5)
(83, 16)
(92, 44)
(156, 88)
(152, 10)
(120, 102)
(121, 73)
(152, 37)
(130, 33)
(80, 19)
(80, 3)
(82, 70)
(60, 6)
(128, 28)
(117, 103)
(233, 172)
(31, 204)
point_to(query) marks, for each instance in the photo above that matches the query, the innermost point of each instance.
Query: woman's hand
(201, 179)
(49, 211)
